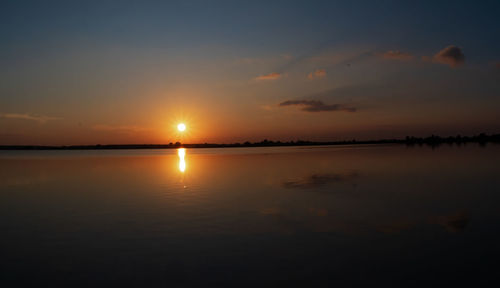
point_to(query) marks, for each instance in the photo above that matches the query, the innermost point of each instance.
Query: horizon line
(433, 140)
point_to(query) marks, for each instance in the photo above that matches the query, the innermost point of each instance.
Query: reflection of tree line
(318, 217)
(432, 141)
(318, 180)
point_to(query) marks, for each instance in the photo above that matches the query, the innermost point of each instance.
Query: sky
(127, 72)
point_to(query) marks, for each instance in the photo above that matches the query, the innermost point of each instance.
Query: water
(246, 217)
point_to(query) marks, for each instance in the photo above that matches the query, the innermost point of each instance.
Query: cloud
(320, 73)
(396, 55)
(451, 55)
(272, 76)
(121, 129)
(317, 106)
(286, 56)
(30, 117)
(266, 107)
(318, 180)
(273, 60)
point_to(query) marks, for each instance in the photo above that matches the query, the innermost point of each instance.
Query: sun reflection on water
(182, 162)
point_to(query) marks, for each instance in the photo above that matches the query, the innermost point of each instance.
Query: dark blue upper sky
(248, 25)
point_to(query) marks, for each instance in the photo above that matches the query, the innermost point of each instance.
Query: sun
(181, 127)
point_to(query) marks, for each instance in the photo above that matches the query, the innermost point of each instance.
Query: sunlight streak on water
(182, 162)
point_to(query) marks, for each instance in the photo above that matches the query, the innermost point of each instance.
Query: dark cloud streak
(451, 55)
(317, 106)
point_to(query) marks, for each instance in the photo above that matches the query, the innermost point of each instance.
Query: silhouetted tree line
(432, 141)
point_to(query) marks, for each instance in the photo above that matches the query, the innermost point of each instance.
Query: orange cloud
(320, 73)
(26, 116)
(272, 76)
(266, 107)
(397, 55)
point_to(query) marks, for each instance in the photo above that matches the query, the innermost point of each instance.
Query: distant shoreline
(433, 141)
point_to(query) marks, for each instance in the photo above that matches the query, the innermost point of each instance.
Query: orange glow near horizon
(181, 126)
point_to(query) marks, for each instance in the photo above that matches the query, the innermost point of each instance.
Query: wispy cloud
(451, 55)
(266, 107)
(120, 128)
(320, 73)
(317, 106)
(29, 117)
(271, 76)
(273, 60)
(396, 55)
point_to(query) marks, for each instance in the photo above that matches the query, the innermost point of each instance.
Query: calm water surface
(248, 217)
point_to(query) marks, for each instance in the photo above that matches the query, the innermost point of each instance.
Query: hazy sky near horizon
(88, 72)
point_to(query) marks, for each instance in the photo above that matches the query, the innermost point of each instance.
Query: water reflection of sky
(384, 189)
(402, 196)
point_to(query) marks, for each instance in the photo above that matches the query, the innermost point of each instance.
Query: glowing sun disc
(181, 127)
